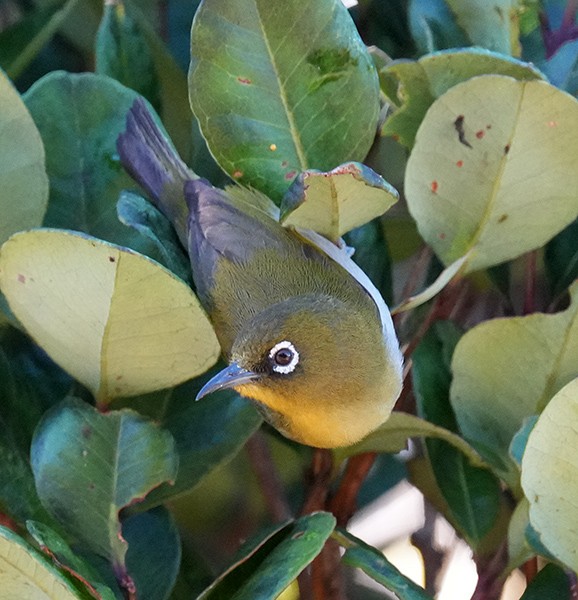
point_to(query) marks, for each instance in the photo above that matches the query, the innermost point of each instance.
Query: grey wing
(218, 230)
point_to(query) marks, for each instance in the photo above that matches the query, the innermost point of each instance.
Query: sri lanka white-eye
(303, 338)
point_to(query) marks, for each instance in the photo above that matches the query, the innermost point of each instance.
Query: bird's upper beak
(230, 377)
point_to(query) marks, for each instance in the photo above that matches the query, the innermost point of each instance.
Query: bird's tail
(150, 159)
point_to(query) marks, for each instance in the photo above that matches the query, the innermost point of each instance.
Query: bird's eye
(284, 357)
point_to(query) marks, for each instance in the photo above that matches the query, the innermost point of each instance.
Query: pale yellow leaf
(115, 320)
(550, 475)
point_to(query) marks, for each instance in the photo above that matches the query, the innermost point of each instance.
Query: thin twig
(344, 502)
(319, 478)
(490, 575)
(530, 288)
(327, 576)
(268, 477)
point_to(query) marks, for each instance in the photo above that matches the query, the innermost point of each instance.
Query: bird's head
(318, 370)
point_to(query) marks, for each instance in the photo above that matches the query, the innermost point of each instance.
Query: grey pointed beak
(229, 377)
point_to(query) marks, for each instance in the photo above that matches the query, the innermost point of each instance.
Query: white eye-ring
(284, 357)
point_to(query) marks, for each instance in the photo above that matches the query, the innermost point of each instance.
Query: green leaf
(136, 212)
(492, 25)
(472, 494)
(88, 466)
(80, 118)
(61, 553)
(336, 202)
(122, 52)
(506, 370)
(207, 434)
(278, 90)
(373, 562)
(550, 582)
(25, 573)
(372, 255)
(550, 475)
(392, 437)
(269, 568)
(413, 86)
(154, 552)
(561, 259)
(118, 322)
(494, 169)
(23, 42)
(519, 549)
(23, 179)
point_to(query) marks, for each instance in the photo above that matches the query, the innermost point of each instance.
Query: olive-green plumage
(303, 338)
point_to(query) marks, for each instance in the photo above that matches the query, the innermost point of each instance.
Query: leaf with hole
(494, 169)
(338, 201)
(88, 466)
(280, 91)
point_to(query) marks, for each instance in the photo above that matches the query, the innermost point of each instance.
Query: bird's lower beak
(230, 377)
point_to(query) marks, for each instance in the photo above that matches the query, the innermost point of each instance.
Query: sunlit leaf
(506, 370)
(280, 91)
(392, 437)
(413, 86)
(115, 320)
(371, 561)
(338, 201)
(88, 466)
(25, 573)
(550, 475)
(23, 179)
(275, 563)
(494, 169)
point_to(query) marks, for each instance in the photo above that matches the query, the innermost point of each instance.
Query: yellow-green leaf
(508, 369)
(23, 178)
(550, 475)
(338, 201)
(494, 169)
(117, 321)
(392, 437)
(25, 574)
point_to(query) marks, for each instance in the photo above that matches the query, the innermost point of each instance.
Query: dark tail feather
(149, 158)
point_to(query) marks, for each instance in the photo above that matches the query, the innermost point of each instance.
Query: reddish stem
(530, 569)
(530, 290)
(344, 503)
(268, 477)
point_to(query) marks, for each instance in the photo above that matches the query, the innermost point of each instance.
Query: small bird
(304, 339)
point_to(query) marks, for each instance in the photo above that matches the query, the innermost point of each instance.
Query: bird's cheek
(264, 395)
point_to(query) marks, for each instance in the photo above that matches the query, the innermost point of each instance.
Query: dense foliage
(461, 116)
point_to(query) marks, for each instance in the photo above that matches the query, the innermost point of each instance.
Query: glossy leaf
(494, 169)
(506, 370)
(23, 179)
(392, 437)
(550, 582)
(276, 562)
(280, 91)
(123, 54)
(154, 552)
(88, 466)
(338, 201)
(58, 549)
(550, 475)
(115, 320)
(79, 118)
(492, 25)
(472, 494)
(207, 434)
(413, 86)
(25, 573)
(136, 212)
(373, 563)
